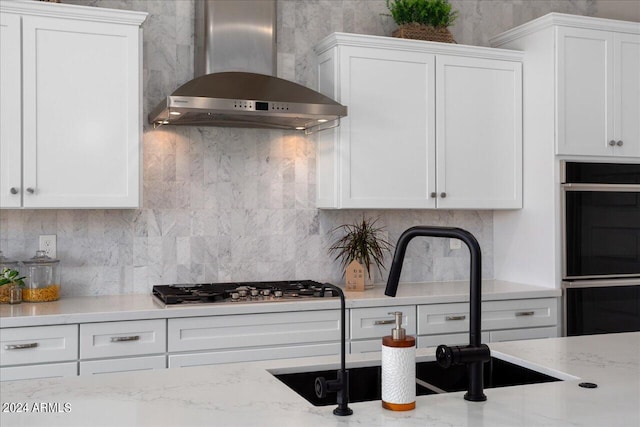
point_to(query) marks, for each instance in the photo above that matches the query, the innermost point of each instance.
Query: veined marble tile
(224, 204)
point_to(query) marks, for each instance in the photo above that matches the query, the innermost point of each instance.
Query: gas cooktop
(247, 292)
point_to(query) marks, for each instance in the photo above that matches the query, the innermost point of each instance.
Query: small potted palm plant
(423, 19)
(360, 248)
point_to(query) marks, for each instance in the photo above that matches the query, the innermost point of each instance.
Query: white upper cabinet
(429, 125)
(598, 92)
(478, 133)
(10, 114)
(80, 103)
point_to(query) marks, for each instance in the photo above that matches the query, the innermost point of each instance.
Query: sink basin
(431, 379)
(364, 385)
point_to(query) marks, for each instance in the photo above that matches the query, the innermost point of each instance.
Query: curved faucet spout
(475, 354)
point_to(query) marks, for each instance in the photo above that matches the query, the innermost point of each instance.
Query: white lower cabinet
(183, 360)
(369, 325)
(127, 364)
(32, 352)
(110, 341)
(505, 320)
(28, 372)
(247, 337)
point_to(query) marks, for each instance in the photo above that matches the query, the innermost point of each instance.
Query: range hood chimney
(235, 83)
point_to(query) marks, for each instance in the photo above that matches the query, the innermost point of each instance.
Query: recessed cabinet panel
(38, 344)
(627, 94)
(585, 90)
(80, 112)
(10, 113)
(130, 338)
(389, 127)
(478, 133)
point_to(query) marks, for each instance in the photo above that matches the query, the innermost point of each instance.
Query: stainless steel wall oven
(601, 247)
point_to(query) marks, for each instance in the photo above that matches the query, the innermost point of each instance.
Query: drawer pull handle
(525, 313)
(461, 317)
(20, 346)
(384, 322)
(121, 339)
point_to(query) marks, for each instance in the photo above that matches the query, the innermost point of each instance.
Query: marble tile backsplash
(224, 204)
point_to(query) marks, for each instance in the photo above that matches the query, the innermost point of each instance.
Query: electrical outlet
(48, 244)
(455, 244)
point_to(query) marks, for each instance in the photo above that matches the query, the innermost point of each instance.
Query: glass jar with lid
(10, 293)
(43, 279)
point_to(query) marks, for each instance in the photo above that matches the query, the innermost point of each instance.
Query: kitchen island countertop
(137, 306)
(246, 394)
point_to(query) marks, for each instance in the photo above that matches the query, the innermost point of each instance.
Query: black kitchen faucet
(340, 385)
(475, 354)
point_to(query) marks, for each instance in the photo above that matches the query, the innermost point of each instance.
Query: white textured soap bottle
(398, 369)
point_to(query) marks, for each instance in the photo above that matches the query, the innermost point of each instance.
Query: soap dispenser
(398, 368)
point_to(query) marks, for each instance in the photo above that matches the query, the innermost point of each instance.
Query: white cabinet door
(427, 127)
(478, 133)
(626, 89)
(10, 113)
(81, 113)
(387, 140)
(584, 91)
(598, 92)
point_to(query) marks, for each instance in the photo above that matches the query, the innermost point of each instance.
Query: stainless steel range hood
(234, 85)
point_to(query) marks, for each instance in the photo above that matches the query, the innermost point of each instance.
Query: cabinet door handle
(460, 317)
(20, 346)
(612, 143)
(524, 313)
(443, 194)
(129, 338)
(30, 190)
(433, 195)
(619, 143)
(13, 190)
(384, 322)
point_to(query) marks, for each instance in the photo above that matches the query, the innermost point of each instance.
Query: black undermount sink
(364, 382)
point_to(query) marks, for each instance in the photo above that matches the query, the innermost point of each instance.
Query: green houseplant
(9, 279)
(423, 19)
(362, 242)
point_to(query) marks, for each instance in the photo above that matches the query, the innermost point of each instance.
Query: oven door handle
(572, 186)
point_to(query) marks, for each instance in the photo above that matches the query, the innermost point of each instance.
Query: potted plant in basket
(359, 249)
(423, 19)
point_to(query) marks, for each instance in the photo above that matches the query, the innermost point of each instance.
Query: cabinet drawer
(453, 318)
(523, 334)
(52, 370)
(127, 364)
(114, 339)
(527, 313)
(38, 344)
(376, 322)
(443, 318)
(253, 354)
(253, 330)
(366, 346)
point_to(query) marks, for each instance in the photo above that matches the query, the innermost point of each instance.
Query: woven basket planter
(424, 32)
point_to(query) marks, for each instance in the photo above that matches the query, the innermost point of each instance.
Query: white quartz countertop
(135, 307)
(246, 394)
